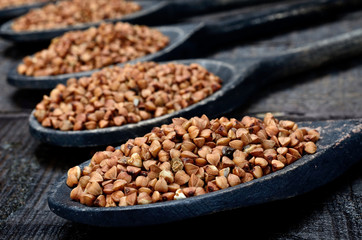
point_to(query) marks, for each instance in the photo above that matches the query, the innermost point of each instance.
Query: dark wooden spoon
(240, 80)
(185, 40)
(338, 149)
(153, 12)
(15, 11)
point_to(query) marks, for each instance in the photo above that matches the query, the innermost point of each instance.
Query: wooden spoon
(240, 80)
(15, 11)
(152, 12)
(338, 150)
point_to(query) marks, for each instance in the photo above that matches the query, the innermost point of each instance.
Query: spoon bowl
(111, 135)
(6, 32)
(152, 12)
(337, 152)
(177, 36)
(15, 11)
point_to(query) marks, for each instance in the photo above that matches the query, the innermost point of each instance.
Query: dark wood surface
(28, 168)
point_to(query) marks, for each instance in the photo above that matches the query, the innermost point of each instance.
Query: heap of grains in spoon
(73, 12)
(189, 157)
(115, 96)
(94, 48)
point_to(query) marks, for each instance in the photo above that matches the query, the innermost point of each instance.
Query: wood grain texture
(27, 168)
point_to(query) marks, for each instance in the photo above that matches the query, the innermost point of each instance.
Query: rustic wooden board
(27, 168)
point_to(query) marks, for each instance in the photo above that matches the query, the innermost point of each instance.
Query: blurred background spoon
(188, 40)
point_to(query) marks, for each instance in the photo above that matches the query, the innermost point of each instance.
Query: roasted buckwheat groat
(189, 157)
(94, 48)
(73, 12)
(116, 96)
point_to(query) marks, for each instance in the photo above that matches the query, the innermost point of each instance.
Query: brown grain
(193, 170)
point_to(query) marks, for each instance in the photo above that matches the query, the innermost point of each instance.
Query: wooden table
(28, 168)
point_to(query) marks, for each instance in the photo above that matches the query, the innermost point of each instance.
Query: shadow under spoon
(241, 79)
(186, 39)
(337, 152)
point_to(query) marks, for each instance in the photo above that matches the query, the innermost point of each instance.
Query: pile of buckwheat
(108, 44)
(115, 96)
(189, 157)
(73, 12)
(17, 3)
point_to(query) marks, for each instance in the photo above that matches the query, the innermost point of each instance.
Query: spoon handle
(305, 58)
(271, 19)
(170, 11)
(186, 8)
